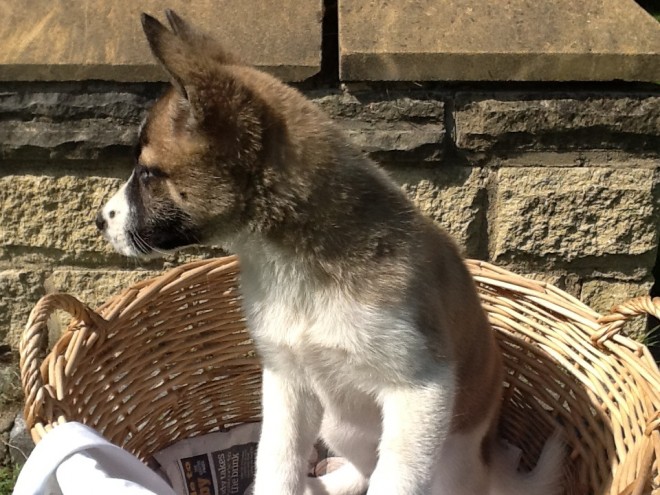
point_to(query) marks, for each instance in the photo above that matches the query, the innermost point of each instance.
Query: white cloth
(73, 459)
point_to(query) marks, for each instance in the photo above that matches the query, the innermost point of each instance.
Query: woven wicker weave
(169, 358)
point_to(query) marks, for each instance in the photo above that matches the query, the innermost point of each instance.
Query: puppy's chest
(316, 328)
(305, 319)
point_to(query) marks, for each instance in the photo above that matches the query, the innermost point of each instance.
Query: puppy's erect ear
(180, 27)
(200, 42)
(175, 55)
(214, 99)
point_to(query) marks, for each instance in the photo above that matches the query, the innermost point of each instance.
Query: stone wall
(560, 186)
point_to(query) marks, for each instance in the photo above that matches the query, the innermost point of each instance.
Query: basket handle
(33, 347)
(617, 317)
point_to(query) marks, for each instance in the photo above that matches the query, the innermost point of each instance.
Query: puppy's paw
(343, 480)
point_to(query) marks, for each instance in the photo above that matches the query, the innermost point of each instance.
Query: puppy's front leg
(291, 422)
(415, 424)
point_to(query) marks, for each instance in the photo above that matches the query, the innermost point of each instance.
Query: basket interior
(174, 360)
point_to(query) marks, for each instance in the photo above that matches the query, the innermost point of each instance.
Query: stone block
(511, 122)
(454, 197)
(85, 139)
(604, 295)
(123, 103)
(582, 215)
(11, 392)
(566, 281)
(377, 106)
(511, 40)
(20, 441)
(66, 121)
(63, 40)
(390, 126)
(20, 290)
(8, 414)
(397, 141)
(54, 213)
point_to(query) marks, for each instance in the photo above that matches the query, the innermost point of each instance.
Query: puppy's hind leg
(460, 467)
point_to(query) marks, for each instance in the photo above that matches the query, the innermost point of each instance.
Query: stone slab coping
(510, 40)
(91, 39)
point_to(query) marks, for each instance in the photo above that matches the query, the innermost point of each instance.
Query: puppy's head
(199, 150)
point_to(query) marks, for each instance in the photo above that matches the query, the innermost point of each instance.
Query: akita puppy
(368, 324)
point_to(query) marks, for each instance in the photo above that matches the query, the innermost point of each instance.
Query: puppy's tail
(544, 479)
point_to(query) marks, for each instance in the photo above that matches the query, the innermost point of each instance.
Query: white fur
(363, 379)
(116, 214)
(331, 359)
(544, 479)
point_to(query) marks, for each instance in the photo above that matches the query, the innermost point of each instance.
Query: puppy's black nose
(101, 224)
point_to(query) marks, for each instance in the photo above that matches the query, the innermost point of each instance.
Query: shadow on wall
(651, 6)
(653, 324)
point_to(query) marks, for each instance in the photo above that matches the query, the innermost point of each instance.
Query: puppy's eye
(145, 174)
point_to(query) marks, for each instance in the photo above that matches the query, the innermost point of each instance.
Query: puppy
(367, 322)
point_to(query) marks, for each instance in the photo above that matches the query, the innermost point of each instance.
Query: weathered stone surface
(559, 214)
(20, 441)
(397, 142)
(604, 295)
(454, 197)
(7, 416)
(10, 387)
(512, 122)
(57, 102)
(57, 125)
(20, 290)
(62, 40)
(391, 127)
(513, 40)
(611, 158)
(9, 410)
(67, 121)
(564, 280)
(87, 139)
(55, 213)
(94, 287)
(373, 105)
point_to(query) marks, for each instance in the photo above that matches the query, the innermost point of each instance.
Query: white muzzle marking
(116, 216)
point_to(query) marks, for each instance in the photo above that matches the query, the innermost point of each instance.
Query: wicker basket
(169, 358)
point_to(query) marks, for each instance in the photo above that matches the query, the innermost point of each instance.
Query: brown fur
(239, 150)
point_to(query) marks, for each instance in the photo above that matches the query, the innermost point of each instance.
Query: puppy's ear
(176, 56)
(200, 42)
(180, 27)
(214, 100)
